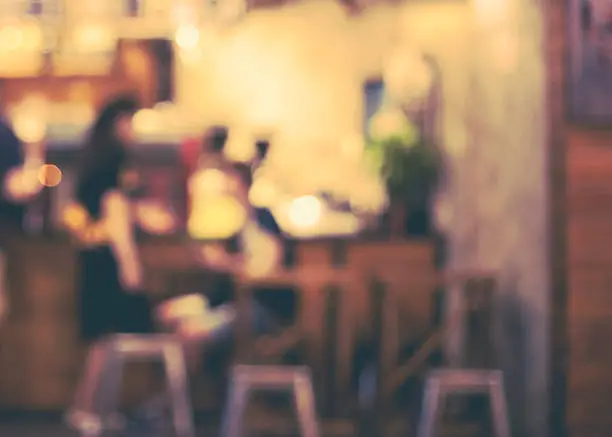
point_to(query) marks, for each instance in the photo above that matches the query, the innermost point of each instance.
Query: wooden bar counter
(41, 357)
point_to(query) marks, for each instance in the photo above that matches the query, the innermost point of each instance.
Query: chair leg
(82, 415)
(108, 394)
(306, 406)
(499, 408)
(235, 409)
(176, 376)
(431, 408)
(90, 380)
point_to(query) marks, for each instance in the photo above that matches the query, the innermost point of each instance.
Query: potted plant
(408, 163)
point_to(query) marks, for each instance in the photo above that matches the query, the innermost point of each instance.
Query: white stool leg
(83, 415)
(107, 399)
(305, 405)
(499, 408)
(431, 409)
(90, 379)
(176, 375)
(235, 408)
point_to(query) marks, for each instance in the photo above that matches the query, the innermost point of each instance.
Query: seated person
(251, 247)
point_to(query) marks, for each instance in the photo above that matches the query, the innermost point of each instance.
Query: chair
(248, 378)
(95, 408)
(463, 339)
(444, 382)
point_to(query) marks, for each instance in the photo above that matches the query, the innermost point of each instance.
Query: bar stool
(96, 402)
(444, 382)
(248, 378)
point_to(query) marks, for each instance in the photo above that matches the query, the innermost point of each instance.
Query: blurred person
(18, 185)
(110, 274)
(252, 247)
(205, 319)
(110, 294)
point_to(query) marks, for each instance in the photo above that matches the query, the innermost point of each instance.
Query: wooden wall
(581, 248)
(581, 254)
(589, 273)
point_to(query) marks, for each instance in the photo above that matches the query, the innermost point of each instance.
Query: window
(374, 93)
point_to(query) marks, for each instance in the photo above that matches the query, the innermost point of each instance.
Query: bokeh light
(49, 175)
(263, 193)
(94, 38)
(187, 36)
(305, 211)
(216, 217)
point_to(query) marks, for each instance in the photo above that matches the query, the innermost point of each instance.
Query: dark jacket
(10, 157)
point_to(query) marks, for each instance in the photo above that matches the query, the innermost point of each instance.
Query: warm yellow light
(240, 146)
(147, 121)
(187, 36)
(387, 122)
(21, 184)
(95, 38)
(28, 127)
(49, 175)
(216, 218)
(74, 217)
(353, 146)
(263, 193)
(207, 182)
(154, 218)
(32, 37)
(11, 38)
(305, 211)
(408, 77)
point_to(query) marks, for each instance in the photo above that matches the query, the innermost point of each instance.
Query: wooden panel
(589, 234)
(591, 409)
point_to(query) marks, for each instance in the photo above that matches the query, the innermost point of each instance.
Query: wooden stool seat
(248, 378)
(444, 382)
(96, 402)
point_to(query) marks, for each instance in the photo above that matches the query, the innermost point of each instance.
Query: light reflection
(49, 175)
(305, 211)
(187, 36)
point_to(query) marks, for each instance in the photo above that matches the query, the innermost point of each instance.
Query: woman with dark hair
(110, 274)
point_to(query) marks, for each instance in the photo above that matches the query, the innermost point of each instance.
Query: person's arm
(154, 218)
(261, 251)
(19, 182)
(117, 217)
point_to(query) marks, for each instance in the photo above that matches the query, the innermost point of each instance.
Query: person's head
(115, 121)
(111, 133)
(214, 139)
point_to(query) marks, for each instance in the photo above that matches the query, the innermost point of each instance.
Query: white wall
(298, 72)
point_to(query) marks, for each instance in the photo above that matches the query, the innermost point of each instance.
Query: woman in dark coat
(110, 274)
